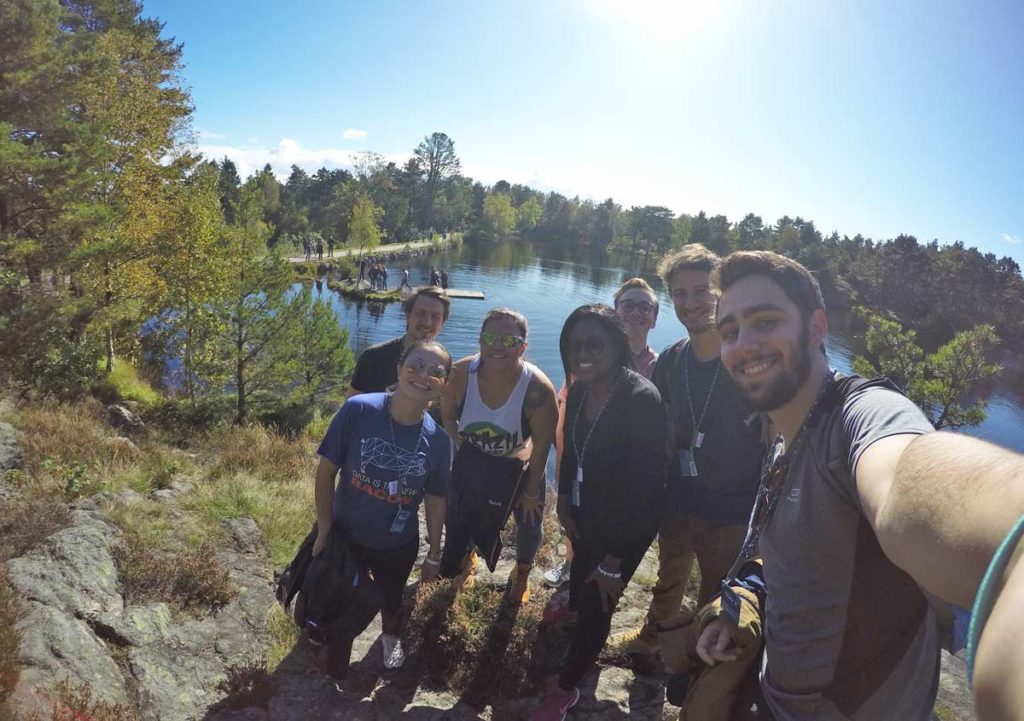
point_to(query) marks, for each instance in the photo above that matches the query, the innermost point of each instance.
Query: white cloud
(288, 152)
(209, 135)
(353, 134)
(1011, 239)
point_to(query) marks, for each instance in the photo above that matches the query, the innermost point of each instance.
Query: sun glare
(658, 20)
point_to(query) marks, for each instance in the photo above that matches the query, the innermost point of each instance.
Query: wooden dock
(467, 294)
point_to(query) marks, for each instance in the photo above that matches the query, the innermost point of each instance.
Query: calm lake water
(546, 283)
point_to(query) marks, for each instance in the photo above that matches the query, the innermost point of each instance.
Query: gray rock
(135, 626)
(73, 570)
(56, 647)
(245, 714)
(245, 535)
(121, 446)
(954, 696)
(124, 419)
(11, 456)
(174, 684)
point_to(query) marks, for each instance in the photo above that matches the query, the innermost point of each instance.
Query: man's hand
(608, 588)
(713, 645)
(531, 508)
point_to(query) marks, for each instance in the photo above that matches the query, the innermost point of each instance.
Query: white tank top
(496, 431)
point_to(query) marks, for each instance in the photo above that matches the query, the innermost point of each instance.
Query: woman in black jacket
(610, 485)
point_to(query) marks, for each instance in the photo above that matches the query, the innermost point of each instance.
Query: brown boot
(517, 592)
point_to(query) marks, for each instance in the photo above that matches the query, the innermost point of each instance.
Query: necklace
(697, 437)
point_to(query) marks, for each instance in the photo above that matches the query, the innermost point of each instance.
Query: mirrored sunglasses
(505, 340)
(420, 368)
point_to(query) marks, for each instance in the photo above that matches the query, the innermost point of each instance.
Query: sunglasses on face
(592, 344)
(505, 340)
(628, 306)
(419, 367)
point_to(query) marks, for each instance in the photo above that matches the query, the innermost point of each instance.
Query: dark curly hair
(612, 324)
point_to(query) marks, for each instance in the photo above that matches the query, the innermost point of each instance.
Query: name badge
(699, 440)
(577, 486)
(401, 520)
(731, 602)
(687, 463)
(392, 488)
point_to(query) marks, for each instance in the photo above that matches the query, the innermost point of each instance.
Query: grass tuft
(471, 642)
(27, 521)
(125, 384)
(75, 703)
(284, 635)
(248, 685)
(192, 581)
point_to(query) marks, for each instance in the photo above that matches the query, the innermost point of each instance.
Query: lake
(546, 283)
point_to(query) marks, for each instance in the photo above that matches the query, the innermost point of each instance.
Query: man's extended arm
(323, 496)
(940, 504)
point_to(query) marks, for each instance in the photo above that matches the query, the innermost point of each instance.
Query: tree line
(118, 241)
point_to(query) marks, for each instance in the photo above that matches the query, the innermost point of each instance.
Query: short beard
(784, 388)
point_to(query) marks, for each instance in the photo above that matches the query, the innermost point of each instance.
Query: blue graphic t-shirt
(382, 475)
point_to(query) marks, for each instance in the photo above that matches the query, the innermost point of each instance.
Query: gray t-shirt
(847, 633)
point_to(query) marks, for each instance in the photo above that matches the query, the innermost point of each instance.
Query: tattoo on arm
(536, 394)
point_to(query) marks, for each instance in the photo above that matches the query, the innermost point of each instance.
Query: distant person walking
(383, 276)
(444, 280)
(307, 249)
(405, 280)
(435, 278)
(330, 247)
(320, 248)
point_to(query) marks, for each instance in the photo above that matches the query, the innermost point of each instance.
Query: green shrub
(125, 384)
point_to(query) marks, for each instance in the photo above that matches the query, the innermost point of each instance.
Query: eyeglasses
(628, 306)
(506, 340)
(419, 367)
(592, 344)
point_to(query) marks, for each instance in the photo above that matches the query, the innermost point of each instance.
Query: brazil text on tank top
(496, 431)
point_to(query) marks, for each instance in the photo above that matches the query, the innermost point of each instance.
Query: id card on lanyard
(577, 487)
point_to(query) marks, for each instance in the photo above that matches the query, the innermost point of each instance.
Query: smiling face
(590, 352)
(638, 309)
(693, 300)
(503, 352)
(423, 374)
(425, 319)
(767, 346)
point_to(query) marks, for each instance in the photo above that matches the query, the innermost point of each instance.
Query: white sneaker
(394, 656)
(557, 576)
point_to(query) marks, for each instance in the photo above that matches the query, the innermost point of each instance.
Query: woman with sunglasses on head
(611, 482)
(501, 411)
(392, 456)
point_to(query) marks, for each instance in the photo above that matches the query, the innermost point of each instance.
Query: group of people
(820, 505)
(439, 277)
(309, 246)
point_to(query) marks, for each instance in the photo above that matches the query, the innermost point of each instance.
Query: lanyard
(696, 423)
(394, 438)
(583, 403)
(774, 471)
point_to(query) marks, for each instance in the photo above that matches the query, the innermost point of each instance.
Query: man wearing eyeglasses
(637, 305)
(426, 311)
(715, 450)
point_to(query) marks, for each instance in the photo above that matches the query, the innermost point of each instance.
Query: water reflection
(547, 282)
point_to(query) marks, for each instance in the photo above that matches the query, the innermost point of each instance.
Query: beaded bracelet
(986, 596)
(609, 574)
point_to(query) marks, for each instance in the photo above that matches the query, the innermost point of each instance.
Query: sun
(657, 20)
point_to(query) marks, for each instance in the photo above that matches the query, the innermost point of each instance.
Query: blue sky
(865, 116)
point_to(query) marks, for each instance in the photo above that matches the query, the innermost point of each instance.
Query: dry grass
(284, 635)
(61, 440)
(472, 642)
(75, 703)
(27, 521)
(192, 581)
(259, 452)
